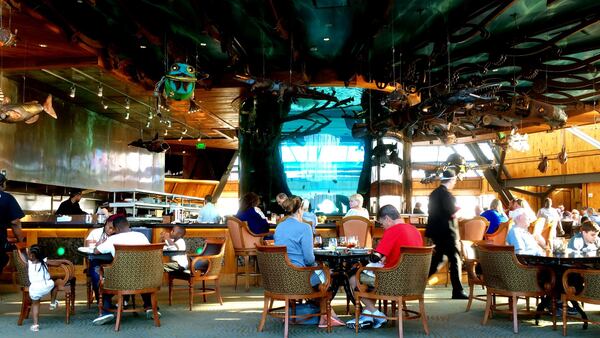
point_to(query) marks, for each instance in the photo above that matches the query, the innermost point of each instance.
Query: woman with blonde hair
(356, 209)
(495, 215)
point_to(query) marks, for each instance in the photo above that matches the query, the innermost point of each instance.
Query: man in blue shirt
(209, 213)
(10, 215)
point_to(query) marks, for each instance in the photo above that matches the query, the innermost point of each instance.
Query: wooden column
(407, 176)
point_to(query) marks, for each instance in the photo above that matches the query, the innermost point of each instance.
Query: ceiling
(548, 50)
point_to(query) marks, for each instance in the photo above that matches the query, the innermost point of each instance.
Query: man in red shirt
(396, 235)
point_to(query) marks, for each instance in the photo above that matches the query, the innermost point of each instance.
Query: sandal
(35, 327)
(53, 305)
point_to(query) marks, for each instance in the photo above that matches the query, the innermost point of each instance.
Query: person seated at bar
(495, 215)
(249, 212)
(209, 212)
(174, 241)
(123, 235)
(417, 209)
(588, 236)
(309, 216)
(520, 238)
(71, 205)
(387, 254)
(356, 208)
(298, 239)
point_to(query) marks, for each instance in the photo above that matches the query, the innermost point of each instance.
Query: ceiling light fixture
(127, 116)
(199, 139)
(43, 45)
(100, 90)
(72, 93)
(169, 123)
(148, 124)
(143, 46)
(127, 106)
(150, 116)
(104, 105)
(183, 152)
(326, 39)
(180, 138)
(184, 131)
(166, 132)
(203, 44)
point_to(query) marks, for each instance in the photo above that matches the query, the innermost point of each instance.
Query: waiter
(71, 206)
(443, 231)
(10, 215)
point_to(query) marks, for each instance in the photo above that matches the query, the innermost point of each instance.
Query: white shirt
(179, 245)
(95, 234)
(209, 214)
(127, 238)
(550, 214)
(37, 273)
(260, 213)
(358, 212)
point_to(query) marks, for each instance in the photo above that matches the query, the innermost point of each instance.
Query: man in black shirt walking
(443, 231)
(10, 215)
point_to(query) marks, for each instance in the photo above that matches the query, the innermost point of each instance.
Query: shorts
(39, 290)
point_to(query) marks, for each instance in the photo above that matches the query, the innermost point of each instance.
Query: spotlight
(148, 124)
(169, 123)
(180, 138)
(166, 132)
(203, 44)
(127, 116)
(184, 131)
(127, 106)
(199, 139)
(100, 90)
(183, 152)
(72, 93)
(104, 105)
(150, 116)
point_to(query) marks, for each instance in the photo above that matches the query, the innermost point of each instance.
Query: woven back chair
(404, 282)
(473, 229)
(580, 285)
(284, 281)
(360, 227)
(63, 276)
(505, 276)
(136, 269)
(244, 244)
(499, 236)
(203, 267)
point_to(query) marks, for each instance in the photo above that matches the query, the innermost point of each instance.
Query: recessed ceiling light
(143, 46)
(326, 39)
(183, 152)
(203, 44)
(43, 45)
(314, 49)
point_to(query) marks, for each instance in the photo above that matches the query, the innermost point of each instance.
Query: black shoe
(459, 295)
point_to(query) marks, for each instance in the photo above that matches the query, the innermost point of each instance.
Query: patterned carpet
(240, 313)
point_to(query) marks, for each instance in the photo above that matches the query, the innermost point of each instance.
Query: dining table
(559, 262)
(342, 261)
(88, 252)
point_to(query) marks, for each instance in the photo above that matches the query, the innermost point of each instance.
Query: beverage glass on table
(578, 244)
(342, 241)
(318, 242)
(332, 243)
(352, 241)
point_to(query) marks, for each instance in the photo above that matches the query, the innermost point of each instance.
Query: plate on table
(359, 250)
(321, 251)
(86, 249)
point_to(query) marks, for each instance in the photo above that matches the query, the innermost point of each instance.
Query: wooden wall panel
(591, 197)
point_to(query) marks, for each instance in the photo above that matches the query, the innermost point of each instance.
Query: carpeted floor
(239, 315)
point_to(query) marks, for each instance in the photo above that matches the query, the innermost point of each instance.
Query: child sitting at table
(40, 283)
(174, 241)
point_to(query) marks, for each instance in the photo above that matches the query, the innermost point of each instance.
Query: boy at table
(396, 234)
(123, 235)
(588, 235)
(174, 241)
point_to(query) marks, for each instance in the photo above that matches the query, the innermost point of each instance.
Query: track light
(72, 93)
(166, 132)
(148, 124)
(127, 106)
(184, 131)
(150, 116)
(169, 123)
(127, 116)
(199, 139)
(104, 105)
(100, 90)
(180, 138)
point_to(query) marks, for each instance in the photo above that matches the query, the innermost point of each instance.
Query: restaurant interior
(170, 116)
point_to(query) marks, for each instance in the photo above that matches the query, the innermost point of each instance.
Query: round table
(559, 263)
(341, 264)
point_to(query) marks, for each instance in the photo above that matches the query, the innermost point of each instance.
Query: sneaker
(377, 322)
(104, 319)
(53, 305)
(364, 322)
(149, 314)
(35, 327)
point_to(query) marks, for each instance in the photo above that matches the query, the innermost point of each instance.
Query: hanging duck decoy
(178, 84)
(543, 165)
(562, 156)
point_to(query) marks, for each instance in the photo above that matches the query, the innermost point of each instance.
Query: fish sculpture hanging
(27, 112)
(7, 38)
(156, 145)
(562, 156)
(543, 165)
(178, 85)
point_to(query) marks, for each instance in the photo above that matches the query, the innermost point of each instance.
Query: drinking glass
(352, 241)
(318, 242)
(578, 244)
(342, 241)
(332, 243)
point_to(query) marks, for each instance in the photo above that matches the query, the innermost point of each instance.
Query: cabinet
(143, 205)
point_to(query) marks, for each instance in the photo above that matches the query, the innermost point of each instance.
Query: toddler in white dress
(40, 283)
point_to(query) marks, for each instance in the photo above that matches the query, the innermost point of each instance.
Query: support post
(407, 175)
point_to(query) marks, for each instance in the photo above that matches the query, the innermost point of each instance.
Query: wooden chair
(404, 282)
(136, 269)
(471, 230)
(505, 276)
(360, 227)
(587, 292)
(284, 281)
(201, 268)
(473, 268)
(244, 244)
(499, 236)
(64, 280)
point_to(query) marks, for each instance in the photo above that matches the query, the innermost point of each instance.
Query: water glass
(342, 241)
(332, 243)
(352, 241)
(318, 242)
(578, 244)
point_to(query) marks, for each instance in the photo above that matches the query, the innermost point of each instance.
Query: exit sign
(200, 146)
